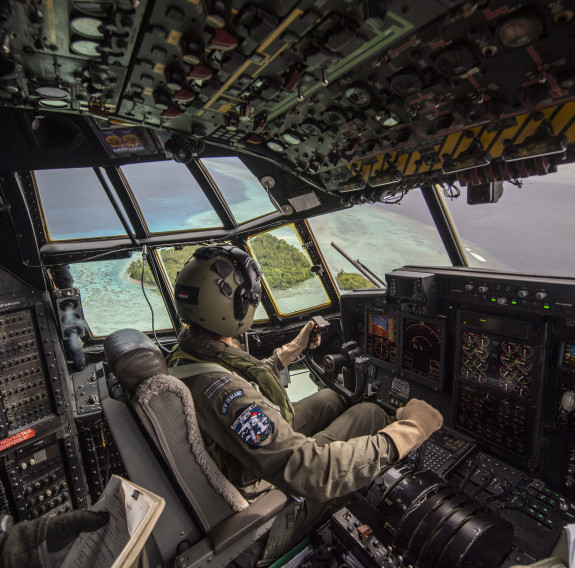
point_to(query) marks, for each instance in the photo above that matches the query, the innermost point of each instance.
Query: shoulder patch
(229, 398)
(254, 427)
(216, 386)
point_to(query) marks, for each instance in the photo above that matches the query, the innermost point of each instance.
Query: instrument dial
(521, 390)
(468, 348)
(524, 364)
(467, 372)
(525, 351)
(509, 346)
(481, 377)
(507, 385)
(483, 340)
(481, 365)
(481, 353)
(381, 349)
(507, 360)
(507, 373)
(469, 338)
(523, 378)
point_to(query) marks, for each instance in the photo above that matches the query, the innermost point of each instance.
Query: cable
(393, 198)
(144, 257)
(450, 190)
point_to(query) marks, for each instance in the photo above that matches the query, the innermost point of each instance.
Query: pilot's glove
(292, 350)
(27, 543)
(416, 421)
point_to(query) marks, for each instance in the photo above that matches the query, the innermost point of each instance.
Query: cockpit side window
(530, 228)
(381, 236)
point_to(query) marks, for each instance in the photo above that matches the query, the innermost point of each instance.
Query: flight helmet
(219, 289)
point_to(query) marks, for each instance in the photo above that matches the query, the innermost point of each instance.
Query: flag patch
(254, 427)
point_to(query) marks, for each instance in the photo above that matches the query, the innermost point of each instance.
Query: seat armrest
(235, 527)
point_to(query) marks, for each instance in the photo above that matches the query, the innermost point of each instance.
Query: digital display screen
(447, 440)
(405, 288)
(569, 355)
(503, 363)
(422, 348)
(381, 336)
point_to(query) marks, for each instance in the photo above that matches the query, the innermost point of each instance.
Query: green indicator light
(546, 306)
(493, 300)
(514, 302)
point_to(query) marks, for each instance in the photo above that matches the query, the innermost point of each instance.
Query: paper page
(99, 549)
(570, 530)
(136, 506)
(128, 506)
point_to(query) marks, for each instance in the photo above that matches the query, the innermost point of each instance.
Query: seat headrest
(133, 357)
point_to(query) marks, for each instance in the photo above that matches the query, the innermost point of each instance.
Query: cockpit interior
(401, 170)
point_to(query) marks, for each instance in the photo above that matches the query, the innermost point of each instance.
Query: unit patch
(229, 398)
(216, 386)
(254, 427)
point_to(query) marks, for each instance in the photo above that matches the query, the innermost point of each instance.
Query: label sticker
(254, 427)
(17, 438)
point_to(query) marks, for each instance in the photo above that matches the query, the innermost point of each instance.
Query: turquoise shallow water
(112, 301)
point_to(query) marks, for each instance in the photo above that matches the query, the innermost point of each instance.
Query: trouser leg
(362, 419)
(316, 412)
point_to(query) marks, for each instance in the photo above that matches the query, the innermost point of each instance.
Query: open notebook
(133, 513)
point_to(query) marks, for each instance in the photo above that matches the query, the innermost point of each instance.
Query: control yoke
(344, 372)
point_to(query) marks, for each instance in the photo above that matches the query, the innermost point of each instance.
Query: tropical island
(283, 265)
(173, 260)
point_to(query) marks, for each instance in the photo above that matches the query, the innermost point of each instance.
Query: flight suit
(329, 451)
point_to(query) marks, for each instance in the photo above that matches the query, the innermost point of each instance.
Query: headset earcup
(240, 303)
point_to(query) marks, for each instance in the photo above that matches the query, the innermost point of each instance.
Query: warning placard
(17, 438)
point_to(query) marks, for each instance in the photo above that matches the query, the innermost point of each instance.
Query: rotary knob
(523, 293)
(541, 295)
(568, 401)
(483, 289)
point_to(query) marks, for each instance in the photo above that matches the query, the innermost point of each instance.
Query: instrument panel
(501, 375)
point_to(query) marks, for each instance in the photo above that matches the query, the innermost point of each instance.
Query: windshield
(242, 191)
(530, 229)
(65, 195)
(112, 296)
(169, 197)
(383, 236)
(287, 271)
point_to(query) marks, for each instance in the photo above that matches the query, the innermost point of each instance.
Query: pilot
(315, 449)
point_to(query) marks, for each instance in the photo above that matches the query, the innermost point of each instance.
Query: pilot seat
(206, 521)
